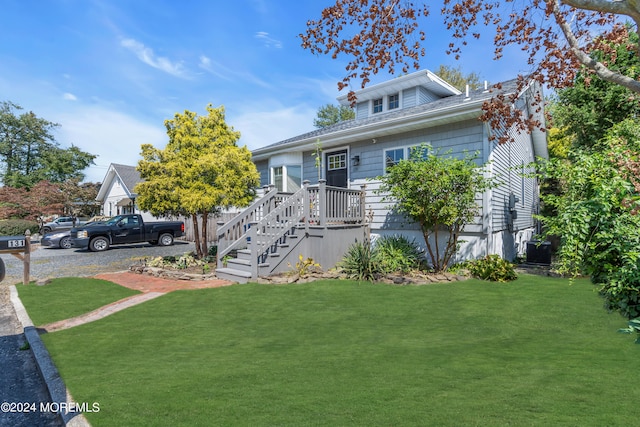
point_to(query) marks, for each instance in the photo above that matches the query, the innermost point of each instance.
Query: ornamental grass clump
(360, 262)
(397, 254)
(389, 254)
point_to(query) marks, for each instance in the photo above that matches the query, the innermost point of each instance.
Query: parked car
(62, 223)
(123, 229)
(62, 239)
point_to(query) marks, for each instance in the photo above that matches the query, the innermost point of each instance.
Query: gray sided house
(319, 211)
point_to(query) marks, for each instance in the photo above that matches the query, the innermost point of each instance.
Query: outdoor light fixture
(355, 160)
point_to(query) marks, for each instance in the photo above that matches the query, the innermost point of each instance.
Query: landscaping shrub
(492, 268)
(397, 254)
(360, 262)
(17, 227)
(178, 263)
(597, 217)
(305, 266)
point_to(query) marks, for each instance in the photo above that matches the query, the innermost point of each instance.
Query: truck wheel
(99, 244)
(165, 239)
(2, 270)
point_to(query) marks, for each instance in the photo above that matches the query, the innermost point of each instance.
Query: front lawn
(537, 351)
(69, 297)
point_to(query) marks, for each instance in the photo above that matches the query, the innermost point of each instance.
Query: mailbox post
(19, 247)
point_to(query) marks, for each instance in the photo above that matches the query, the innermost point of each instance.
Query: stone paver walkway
(151, 287)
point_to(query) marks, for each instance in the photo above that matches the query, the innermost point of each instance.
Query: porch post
(322, 201)
(306, 205)
(363, 214)
(363, 196)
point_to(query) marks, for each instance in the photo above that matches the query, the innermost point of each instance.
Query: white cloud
(260, 127)
(222, 72)
(113, 136)
(146, 55)
(69, 97)
(214, 68)
(267, 40)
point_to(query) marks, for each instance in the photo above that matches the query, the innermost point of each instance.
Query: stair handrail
(286, 215)
(232, 233)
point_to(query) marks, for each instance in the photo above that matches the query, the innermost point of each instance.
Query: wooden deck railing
(267, 220)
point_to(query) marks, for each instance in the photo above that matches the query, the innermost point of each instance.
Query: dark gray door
(336, 168)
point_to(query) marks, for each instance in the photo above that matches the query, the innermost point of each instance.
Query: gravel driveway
(48, 263)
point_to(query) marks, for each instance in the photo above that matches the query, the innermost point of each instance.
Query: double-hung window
(393, 156)
(377, 105)
(393, 101)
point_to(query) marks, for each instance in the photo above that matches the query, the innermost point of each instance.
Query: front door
(336, 168)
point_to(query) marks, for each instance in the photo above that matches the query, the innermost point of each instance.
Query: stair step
(233, 275)
(244, 254)
(239, 264)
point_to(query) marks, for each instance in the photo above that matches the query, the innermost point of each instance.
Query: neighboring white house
(394, 116)
(116, 195)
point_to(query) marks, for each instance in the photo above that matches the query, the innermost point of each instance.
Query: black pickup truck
(123, 229)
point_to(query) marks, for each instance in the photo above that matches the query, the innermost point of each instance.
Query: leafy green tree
(596, 216)
(586, 110)
(455, 77)
(200, 171)
(29, 153)
(331, 114)
(438, 193)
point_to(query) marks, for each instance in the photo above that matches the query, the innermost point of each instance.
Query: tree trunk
(204, 240)
(196, 234)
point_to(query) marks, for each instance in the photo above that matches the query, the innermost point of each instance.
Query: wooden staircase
(267, 236)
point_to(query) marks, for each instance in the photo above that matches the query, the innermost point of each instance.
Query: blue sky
(111, 71)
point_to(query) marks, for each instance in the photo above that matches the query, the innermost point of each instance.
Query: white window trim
(385, 103)
(405, 149)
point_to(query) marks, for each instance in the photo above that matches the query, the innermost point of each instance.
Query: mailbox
(12, 243)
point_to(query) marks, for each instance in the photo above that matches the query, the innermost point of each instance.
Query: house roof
(454, 108)
(128, 175)
(425, 78)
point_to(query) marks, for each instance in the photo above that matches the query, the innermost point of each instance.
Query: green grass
(537, 351)
(68, 297)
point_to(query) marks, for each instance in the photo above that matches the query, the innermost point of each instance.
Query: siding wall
(362, 110)
(464, 137)
(425, 96)
(409, 98)
(508, 163)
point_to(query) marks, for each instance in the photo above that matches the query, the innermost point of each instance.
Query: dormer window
(394, 101)
(377, 105)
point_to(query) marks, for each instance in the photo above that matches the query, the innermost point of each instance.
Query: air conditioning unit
(539, 252)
